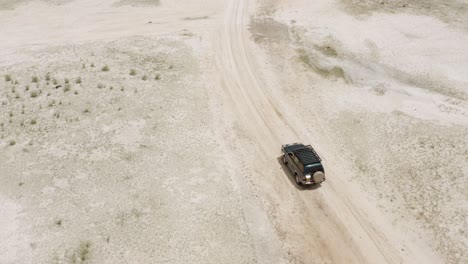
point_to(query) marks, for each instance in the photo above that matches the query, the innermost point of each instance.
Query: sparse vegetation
(33, 121)
(55, 82)
(67, 80)
(144, 78)
(76, 92)
(92, 65)
(11, 142)
(26, 88)
(86, 110)
(67, 87)
(84, 251)
(105, 68)
(47, 77)
(133, 72)
(78, 80)
(7, 77)
(157, 77)
(34, 79)
(33, 94)
(100, 85)
(58, 222)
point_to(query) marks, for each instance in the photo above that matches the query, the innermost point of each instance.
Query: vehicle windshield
(313, 167)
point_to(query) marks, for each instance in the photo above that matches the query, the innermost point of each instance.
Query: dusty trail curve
(334, 229)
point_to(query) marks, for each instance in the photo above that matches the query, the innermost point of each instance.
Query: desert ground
(146, 131)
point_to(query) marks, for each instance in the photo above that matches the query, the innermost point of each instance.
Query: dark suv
(304, 163)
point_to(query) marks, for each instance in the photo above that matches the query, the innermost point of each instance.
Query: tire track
(332, 228)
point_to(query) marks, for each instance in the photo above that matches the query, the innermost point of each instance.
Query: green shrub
(35, 79)
(33, 94)
(67, 87)
(78, 80)
(7, 77)
(84, 251)
(105, 68)
(133, 72)
(144, 78)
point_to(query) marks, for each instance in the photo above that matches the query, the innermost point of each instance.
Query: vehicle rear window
(313, 167)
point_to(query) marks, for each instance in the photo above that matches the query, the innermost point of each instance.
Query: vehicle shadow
(288, 173)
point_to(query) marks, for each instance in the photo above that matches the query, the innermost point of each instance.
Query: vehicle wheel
(284, 160)
(297, 180)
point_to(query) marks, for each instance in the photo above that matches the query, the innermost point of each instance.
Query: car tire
(297, 180)
(284, 160)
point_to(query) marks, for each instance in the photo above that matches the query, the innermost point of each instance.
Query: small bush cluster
(67, 87)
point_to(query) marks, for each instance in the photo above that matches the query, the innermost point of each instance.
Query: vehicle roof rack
(307, 155)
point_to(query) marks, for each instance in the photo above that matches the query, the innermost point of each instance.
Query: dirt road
(332, 226)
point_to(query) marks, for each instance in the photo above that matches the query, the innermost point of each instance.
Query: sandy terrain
(141, 131)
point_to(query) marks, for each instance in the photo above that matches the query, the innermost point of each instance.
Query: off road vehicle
(304, 163)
